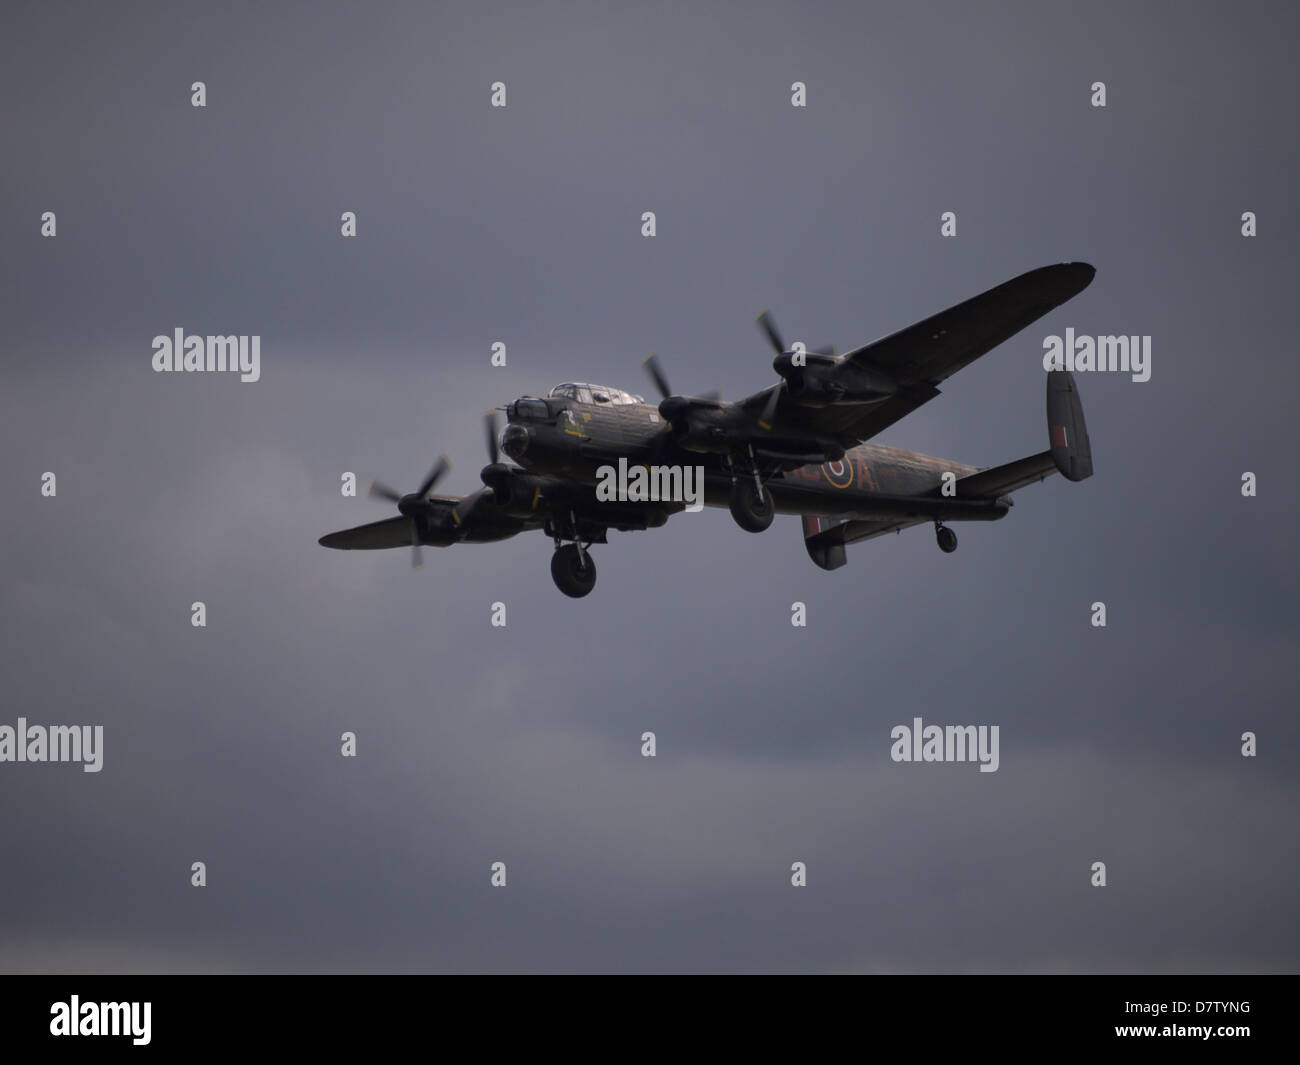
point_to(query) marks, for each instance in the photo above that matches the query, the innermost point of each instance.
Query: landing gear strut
(946, 537)
(572, 567)
(751, 503)
(573, 570)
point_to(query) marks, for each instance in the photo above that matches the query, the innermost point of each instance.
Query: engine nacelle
(825, 380)
(724, 429)
(515, 492)
(699, 425)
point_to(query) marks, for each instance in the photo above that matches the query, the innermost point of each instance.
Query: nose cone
(514, 441)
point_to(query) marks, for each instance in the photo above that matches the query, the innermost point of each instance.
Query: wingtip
(1084, 271)
(1072, 277)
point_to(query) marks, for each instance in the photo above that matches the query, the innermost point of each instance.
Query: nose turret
(514, 441)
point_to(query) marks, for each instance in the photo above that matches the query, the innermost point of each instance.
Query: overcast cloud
(522, 744)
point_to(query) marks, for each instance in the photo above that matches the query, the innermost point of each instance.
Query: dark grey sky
(522, 745)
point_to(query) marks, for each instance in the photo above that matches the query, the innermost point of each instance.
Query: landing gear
(946, 537)
(573, 570)
(751, 503)
(751, 507)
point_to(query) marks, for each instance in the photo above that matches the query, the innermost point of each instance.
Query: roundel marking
(839, 473)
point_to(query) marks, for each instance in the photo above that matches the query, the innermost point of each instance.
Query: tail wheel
(753, 509)
(947, 539)
(573, 570)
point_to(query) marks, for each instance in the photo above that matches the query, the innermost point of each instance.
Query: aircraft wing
(921, 356)
(391, 532)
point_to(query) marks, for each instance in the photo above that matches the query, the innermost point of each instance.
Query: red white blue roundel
(839, 473)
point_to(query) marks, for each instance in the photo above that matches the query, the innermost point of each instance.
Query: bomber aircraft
(797, 447)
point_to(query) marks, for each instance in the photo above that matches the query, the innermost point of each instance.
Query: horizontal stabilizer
(826, 548)
(999, 480)
(825, 537)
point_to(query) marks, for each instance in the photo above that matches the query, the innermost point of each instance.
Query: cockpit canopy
(595, 394)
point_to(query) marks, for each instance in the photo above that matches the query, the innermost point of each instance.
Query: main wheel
(752, 509)
(574, 572)
(947, 539)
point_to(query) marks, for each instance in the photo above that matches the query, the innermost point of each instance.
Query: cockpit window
(597, 394)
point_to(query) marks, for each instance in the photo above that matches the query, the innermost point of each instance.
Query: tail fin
(825, 551)
(1070, 448)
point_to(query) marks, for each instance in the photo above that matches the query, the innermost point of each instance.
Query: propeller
(414, 503)
(490, 425)
(773, 335)
(766, 418)
(378, 488)
(461, 512)
(657, 375)
(407, 503)
(652, 367)
(768, 326)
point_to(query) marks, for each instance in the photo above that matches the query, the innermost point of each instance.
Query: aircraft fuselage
(575, 440)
